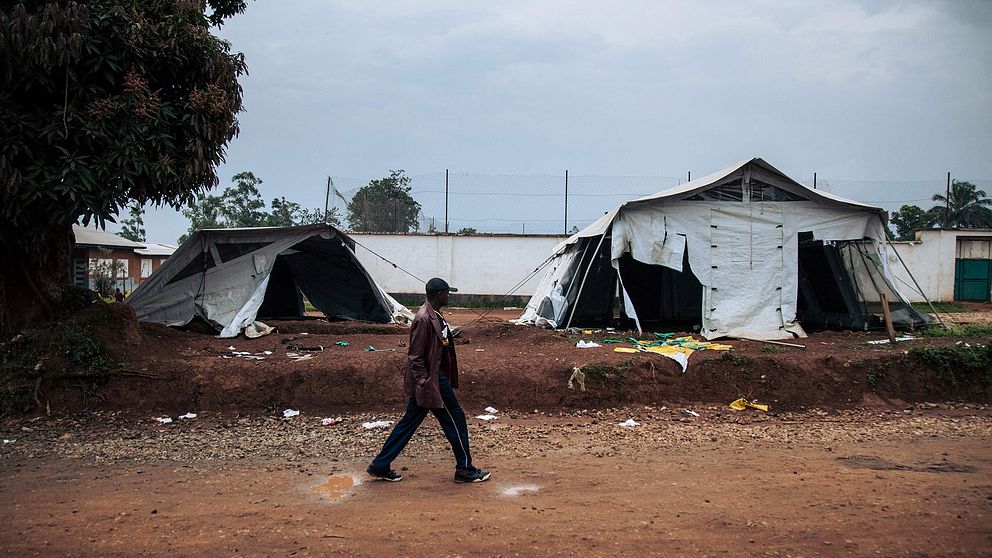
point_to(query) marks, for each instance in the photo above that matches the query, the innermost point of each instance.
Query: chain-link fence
(558, 204)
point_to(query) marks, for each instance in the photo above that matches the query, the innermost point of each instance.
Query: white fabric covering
(745, 253)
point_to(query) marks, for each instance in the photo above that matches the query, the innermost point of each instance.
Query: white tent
(228, 277)
(741, 252)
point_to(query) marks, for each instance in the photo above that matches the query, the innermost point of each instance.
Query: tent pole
(583, 283)
(910, 273)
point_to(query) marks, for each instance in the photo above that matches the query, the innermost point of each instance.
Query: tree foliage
(966, 207)
(133, 228)
(908, 220)
(385, 205)
(241, 205)
(103, 103)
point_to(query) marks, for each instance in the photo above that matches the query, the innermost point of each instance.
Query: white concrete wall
(492, 264)
(474, 264)
(931, 260)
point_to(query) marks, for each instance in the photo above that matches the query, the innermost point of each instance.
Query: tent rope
(511, 291)
(383, 258)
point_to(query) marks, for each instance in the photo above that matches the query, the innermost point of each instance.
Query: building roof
(156, 249)
(92, 237)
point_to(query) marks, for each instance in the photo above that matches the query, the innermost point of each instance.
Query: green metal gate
(972, 279)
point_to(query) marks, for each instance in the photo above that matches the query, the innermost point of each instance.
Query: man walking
(431, 373)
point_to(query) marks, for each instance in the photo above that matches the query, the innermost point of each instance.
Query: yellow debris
(741, 404)
(625, 350)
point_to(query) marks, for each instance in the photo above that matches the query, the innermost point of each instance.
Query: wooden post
(888, 319)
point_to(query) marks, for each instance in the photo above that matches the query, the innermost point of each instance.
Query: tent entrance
(840, 287)
(323, 272)
(663, 297)
(595, 277)
(283, 297)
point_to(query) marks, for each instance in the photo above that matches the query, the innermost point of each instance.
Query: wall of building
(474, 264)
(84, 257)
(931, 260)
(493, 264)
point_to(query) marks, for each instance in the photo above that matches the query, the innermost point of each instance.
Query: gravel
(114, 438)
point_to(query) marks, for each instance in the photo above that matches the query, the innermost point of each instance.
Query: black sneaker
(384, 474)
(471, 475)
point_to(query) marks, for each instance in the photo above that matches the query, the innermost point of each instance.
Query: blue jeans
(451, 417)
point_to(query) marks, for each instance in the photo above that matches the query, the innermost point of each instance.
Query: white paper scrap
(377, 424)
(491, 410)
(690, 412)
(330, 421)
(188, 416)
(486, 417)
(231, 348)
(290, 413)
(630, 422)
(582, 344)
(903, 338)
(6, 441)
(163, 420)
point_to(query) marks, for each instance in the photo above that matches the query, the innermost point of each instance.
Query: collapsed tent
(744, 252)
(231, 277)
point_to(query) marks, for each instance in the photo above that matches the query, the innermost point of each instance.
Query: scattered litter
(302, 347)
(266, 352)
(377, 424)
(903, 338)
(691, 413)
(257, 329)
(630, 422)
(742, 403)
(486, 417)
(491, 410)
(579, 376)
(587, 331)
(342, 343)
(231, 348)
(610, 341)
(511, 308)
(297, 356)
(587, 344)
(290, 413)
(163, 420)
(188, 416)
(304, 333)
(6, 441)
(330, 421)
(480, 350)
(371, 349)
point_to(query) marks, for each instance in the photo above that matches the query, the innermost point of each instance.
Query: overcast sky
(849, 89)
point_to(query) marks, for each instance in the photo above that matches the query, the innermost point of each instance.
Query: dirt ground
(866, 450)
(869, 482)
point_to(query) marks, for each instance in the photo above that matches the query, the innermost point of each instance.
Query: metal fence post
(947, 200)
(566, 201)
(445, 201)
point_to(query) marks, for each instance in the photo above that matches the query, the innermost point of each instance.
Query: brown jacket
(424, 359)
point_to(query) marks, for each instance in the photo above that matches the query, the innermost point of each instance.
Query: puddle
(521, 489)
(878, 464)
(338, 486)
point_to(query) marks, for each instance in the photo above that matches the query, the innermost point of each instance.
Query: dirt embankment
(105, 359)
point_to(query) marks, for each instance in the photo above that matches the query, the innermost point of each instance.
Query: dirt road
(868, 482)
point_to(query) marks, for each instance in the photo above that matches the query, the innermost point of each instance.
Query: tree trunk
(34, 269)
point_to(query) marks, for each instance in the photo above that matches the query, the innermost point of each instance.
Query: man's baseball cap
(438, 285)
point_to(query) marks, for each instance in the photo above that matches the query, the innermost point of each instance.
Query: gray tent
(743, 252)
(230, 277)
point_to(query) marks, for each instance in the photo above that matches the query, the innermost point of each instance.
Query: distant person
(431, 373)
(118, 295)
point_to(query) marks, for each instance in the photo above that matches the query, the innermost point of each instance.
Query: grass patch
(945, 307)
(964, 330)
(735, 359)
(608, 373)
(958, 364)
